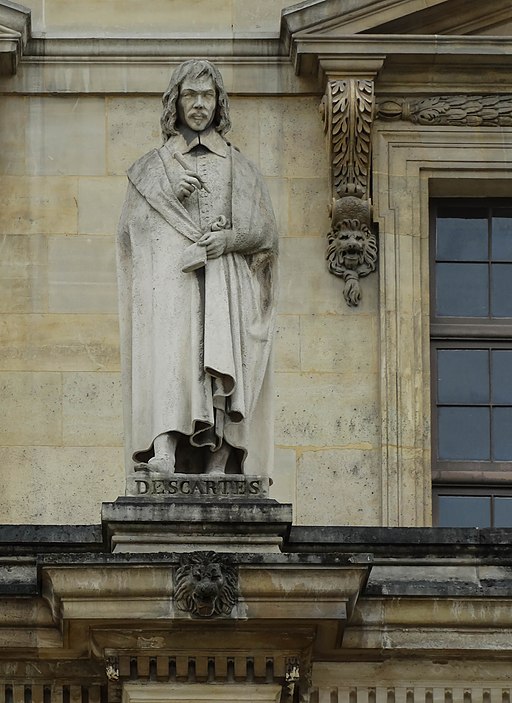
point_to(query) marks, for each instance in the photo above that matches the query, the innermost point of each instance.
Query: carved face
(197, 102)
(204, 586)
(352, 247)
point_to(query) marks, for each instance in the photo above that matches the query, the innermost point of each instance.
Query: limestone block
(285, 124)
(23, 274)
(59, 343)
(261, 16)
(201, 693)
(133, 128)
(345, 344)
(31, 408)
(303, 268)
(66, 136)
(99, 204)
(91, 409)
(326, 410)
(82, 275)
(60, 485)
(245, 130)
(132, 15)
(284, 488)
(287, 343)
(278, 189)
(38, 205)
(338, 487)
(13, 123)
(309, 211)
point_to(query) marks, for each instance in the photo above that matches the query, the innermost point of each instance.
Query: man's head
(196, 98)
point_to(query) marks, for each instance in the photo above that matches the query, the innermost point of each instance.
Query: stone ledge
(162, 524)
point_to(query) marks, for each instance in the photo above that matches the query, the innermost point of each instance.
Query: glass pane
(462, 237)
(502, 512)
(501, 376)
(464, 511)
(502, 434)
(463, 433)
(462, 290)
(463, 376)
(502, 234)
(501, 295)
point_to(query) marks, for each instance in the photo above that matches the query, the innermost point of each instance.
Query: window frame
(459, 477)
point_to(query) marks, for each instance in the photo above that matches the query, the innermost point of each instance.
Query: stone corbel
(348, 109)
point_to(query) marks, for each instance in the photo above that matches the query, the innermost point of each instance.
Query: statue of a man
(196, 260)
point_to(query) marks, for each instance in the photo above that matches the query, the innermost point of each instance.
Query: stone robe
(196, 347)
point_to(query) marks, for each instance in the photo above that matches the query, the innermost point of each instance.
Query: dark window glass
(502, 434)
(464, 433)
(462, 238)
(463, 376)
(464, 511)
(502, 234)
(502, 512)
(462, 290)
(501, 290)
(501, 379)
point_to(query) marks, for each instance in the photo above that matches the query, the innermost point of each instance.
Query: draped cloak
(196, 346)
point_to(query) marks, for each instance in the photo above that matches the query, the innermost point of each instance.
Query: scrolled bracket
(348, 108)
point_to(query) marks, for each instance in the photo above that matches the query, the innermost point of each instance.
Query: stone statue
(197, 249)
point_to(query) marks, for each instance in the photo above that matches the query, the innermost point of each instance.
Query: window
(471, 333)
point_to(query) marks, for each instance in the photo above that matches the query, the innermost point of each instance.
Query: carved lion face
(351, 246)
(205, 585)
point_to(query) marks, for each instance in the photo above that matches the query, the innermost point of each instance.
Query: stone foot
(163, 464)
(216, 462)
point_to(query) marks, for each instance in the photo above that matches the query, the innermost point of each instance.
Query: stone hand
(187, 184)
(215, 243)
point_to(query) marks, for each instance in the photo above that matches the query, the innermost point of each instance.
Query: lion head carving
(205, 584)
(351, 245)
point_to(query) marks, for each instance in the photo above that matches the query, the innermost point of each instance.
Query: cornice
(14, 35)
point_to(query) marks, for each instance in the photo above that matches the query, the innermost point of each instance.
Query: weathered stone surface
(91, 409)
(60, 485)
(81, 272)
(326, 410)
(343, 485)
(31, 394)
(57, 342)
(99, 204)
(340, 344)
(288, 343)
(133, 126)
(153, 524)
(13, 123)
(58, 129)
(23, 274)
(38, 205)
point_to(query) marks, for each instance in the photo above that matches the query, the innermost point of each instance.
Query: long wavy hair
(195, 68)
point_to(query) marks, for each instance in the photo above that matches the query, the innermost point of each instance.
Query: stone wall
(62, 163)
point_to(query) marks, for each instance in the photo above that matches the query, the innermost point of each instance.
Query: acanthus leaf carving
(348, 110)
(449, 110)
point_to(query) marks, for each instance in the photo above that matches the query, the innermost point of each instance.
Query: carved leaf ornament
(348, 108)
(455, 110)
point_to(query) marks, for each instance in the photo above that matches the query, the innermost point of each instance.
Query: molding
(406, 162)
(454, 110)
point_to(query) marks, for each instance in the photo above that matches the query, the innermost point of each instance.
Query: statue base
(143, 483)
(165, 524)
